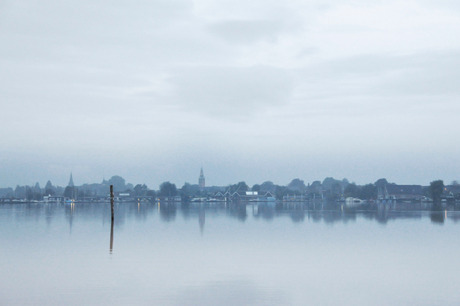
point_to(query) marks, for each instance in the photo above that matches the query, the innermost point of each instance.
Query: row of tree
(329, 188)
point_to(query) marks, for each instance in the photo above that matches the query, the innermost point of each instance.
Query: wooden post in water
(111, 225)
(111, 199)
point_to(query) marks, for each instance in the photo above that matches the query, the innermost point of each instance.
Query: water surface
(228, 255)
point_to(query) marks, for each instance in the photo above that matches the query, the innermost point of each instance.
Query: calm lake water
(54, 254)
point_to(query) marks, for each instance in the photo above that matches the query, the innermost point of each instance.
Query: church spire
(71, 181)
(201, 180)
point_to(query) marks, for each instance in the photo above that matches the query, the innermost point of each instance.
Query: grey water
(165, 254)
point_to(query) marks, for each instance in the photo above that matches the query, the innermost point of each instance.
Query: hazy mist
(266, 90)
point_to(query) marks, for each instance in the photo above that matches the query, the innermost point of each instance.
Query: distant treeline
(328, 189)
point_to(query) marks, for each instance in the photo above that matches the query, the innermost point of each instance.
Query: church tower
(71, 181)
(70, 191)
(201, 180)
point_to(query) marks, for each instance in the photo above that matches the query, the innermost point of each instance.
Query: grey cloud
(62, 32)
(247, 31)
(377, 81)
(87, 20)
(446, 4)
(422, 73)
(434, 74)
(230, 91)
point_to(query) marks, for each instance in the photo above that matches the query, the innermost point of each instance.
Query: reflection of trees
(320, 212)
(315, 215)
(140, 209)
(382, 213)
(167, 211)
(238, 210)
(32, 211)
(437, 214)
(297, 215)
(334, 216)
(265, 211)
(49, 213)
(454, 217)
(186, 211)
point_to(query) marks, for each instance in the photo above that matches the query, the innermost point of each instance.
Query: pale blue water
(247, 255)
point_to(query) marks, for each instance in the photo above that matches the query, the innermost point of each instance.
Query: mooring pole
(111, 199)
(111, 225)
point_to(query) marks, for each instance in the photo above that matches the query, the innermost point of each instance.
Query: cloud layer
(153, 90)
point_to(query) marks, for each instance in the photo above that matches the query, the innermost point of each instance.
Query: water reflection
(438, 214)
(201, 219)
(251, 253)
(296, 212)
(237, 210)
(167, 211)
(70, 209)
(263, 211)
(111, 236)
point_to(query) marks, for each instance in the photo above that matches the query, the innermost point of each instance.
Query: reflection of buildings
(201, 179)
(201, 220)
(70, 209)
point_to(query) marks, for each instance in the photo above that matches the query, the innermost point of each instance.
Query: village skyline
(328, 188)
(62, 179)
(201, 179)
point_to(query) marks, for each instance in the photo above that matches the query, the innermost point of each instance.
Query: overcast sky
(249, 90)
